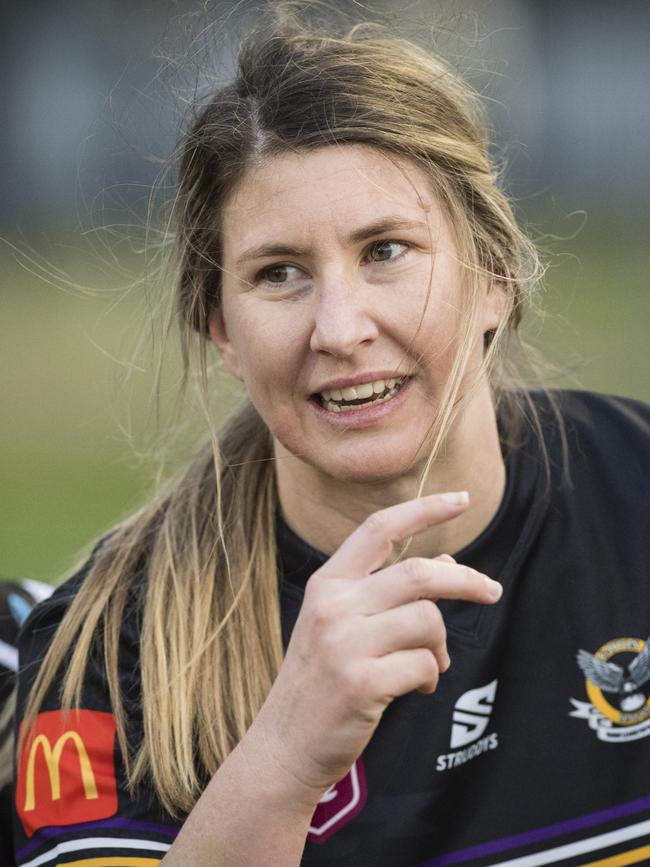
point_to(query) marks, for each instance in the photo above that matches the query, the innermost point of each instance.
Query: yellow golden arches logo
(52, 759)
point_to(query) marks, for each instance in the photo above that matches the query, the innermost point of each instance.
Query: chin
(367, 468)
(367, 476)
(386, 459)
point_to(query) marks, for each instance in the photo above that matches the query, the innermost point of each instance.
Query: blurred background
(92, 95)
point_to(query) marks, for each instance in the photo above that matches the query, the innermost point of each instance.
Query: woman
(298, 653)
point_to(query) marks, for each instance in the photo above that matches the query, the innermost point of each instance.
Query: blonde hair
(198, 563)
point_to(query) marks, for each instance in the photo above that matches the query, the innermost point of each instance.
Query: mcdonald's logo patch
(66, 770)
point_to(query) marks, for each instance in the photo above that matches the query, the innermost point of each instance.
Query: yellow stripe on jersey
(112, 862)
(634, 856)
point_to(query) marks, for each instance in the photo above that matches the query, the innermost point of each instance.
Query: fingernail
(456, 498)
(494, 589)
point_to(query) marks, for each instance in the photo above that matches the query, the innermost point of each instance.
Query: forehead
(333, 189)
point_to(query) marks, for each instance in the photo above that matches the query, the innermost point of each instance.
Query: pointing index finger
(370, 545)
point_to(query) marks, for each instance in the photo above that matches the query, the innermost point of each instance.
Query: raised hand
(362, 638)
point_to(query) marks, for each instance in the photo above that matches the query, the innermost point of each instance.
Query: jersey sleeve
(71, 801)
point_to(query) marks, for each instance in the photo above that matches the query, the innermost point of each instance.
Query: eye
(275, 274)
(382, 251)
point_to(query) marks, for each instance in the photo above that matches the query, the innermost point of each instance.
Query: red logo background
(87, 787)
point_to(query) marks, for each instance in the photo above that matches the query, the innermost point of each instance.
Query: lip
(364, 416)
(347, 382)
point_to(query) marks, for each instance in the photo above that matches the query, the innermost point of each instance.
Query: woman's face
(327, 316)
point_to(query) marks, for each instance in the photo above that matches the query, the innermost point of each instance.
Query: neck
(324, 510)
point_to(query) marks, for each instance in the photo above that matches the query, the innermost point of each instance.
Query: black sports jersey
(535, 747)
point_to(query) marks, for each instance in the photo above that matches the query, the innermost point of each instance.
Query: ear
(219, 336)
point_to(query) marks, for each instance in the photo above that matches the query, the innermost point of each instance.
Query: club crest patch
(340, 803)
(617, 683)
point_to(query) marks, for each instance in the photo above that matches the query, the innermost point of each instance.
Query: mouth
(361, 396)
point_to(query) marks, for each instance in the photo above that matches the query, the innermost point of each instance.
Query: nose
(343, 319)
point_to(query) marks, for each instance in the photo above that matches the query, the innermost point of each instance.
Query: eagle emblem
(625, 682)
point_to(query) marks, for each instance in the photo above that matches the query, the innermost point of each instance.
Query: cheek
(438, 334)
(269, 356)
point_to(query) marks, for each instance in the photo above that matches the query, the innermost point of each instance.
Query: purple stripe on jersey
(538, 834)
(119, 824)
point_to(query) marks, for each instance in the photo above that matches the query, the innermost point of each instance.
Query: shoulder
(17, 599)
(44, 618)
(603, 421)
(63, 594)
(605, 415)
(615, 430)
(601, 443)
(591, 413)
(41, 628)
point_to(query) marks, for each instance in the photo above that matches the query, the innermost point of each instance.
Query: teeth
(364, 391)
(372, 392)
(359, 392)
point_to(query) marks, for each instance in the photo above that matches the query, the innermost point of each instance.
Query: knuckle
(438, 620)
(466, 574)
(318, 588)
(474, 578)
(430, 669)
(356, 683)
(417, 571)
(323, 613)
(377, 523)
(312, 588)
(429, 615)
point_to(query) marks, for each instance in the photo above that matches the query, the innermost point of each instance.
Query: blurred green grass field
(67, 470)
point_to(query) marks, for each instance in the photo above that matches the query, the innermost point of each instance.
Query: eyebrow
(378, 227)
